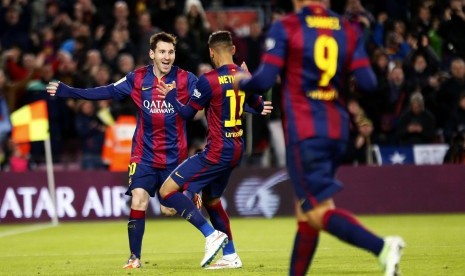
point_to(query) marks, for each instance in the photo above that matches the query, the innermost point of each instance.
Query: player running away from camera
(313, 50)
(159, 143)
(209, 170)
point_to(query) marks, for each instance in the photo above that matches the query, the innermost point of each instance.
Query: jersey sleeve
(361, 68)
(275, 46)
(359, 57)
(124, 86)
(202, 94)
(191, 83)
(254, 104)
(272, 61)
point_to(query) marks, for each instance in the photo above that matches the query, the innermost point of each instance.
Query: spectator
(419, 45)
(395, 99)
(448, 95)
(186, 49)
(419, 74)
(19, 158)
(91, 133)
(5, 123)
(125, 65)
(456, 152)
(145, 31)
(89, 69)
(361, 128)
(14, 26)
(110, 55)
(164, 15)
(453, 24)
(116, 152)
(435, 39)
(374, 104)
(122, 20)
(122, 39)
(85, 12)
(456, 123)
(416, 125)
(422, 21)
(198, 26)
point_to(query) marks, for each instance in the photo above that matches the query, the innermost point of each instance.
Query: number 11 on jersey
(235, 118)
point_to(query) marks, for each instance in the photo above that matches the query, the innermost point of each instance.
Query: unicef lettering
(158, 107)
(234, 134)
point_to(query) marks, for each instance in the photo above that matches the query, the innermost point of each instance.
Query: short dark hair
(220, 38)
(162, 36)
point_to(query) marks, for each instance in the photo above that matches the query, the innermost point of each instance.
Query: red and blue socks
(346, 227)
(136, 228)
(305, 244)
(186, 208)
(220, 221)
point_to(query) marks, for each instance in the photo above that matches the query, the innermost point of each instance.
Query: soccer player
(159, 142)
(209, 170)
(314, 49)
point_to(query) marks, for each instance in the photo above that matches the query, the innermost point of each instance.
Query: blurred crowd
(416, 47)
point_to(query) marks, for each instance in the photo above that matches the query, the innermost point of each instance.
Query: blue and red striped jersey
(224, 106)
(317, 48)
(160, 136)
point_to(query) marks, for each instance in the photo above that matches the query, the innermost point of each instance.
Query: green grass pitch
(435, 246)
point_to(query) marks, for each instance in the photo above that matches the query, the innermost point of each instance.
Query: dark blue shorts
(197, 174)
(147, 178)
(312, 165)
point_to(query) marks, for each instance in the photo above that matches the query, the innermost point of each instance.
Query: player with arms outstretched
(314, 49)
(209, 170)
(159, 143)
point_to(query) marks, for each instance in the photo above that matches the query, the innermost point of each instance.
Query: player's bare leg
(136, 226)
(305, 244)
(344, 225)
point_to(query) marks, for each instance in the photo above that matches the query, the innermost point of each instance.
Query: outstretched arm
(62, 90)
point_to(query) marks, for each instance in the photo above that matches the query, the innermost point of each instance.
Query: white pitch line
(25, 230)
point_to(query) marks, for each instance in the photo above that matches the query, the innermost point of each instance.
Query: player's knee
(168, 187)
(139, 203)
(140, 199)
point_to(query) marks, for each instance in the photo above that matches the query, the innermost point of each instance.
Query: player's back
(223, 114)
(320, 53)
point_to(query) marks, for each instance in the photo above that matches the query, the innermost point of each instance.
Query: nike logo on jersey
(178, 175)
(144, 88)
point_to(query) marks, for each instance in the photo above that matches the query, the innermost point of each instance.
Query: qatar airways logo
(158, 107)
